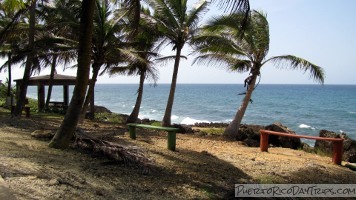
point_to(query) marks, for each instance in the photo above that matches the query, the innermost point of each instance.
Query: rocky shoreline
(249, 135)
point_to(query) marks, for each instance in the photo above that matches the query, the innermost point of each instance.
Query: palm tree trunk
(66, 131)
(167, 114)
(51, 77)
(8, 93)
(135, 112)
(28, 67)
(233, 128)
(96, 68)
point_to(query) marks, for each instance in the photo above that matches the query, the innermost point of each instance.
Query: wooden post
(41, 97)
(263, 141)
(65, 96)
(27, 111)
(337, 152)
(171, 140)
(132, 131)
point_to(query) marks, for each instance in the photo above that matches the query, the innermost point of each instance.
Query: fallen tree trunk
(129, 155)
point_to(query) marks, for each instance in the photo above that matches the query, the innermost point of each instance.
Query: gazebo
(42, 81)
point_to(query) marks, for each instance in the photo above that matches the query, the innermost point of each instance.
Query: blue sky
(321, 31)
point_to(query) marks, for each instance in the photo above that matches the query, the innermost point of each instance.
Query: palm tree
(28, 68)
(219, 43)
(110, 47)
(146, 36)
(61, 20)
(65, 133)
(177, 26)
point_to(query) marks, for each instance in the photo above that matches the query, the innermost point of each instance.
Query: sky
(320, 31)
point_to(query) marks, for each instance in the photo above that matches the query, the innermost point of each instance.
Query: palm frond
(226, 61)
(293, 62)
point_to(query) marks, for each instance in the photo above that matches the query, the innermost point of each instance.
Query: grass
(212, 131)
(109, 117)
(269, 179)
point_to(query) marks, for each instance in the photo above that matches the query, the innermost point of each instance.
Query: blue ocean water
(306, 109)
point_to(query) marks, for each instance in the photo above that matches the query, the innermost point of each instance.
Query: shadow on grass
(200, 171)
(320, 175)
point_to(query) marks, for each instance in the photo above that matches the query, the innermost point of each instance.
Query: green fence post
(171, 143)
(132, 131)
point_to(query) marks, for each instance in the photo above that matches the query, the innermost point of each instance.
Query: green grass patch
(269, 179)
(109, 117)
(156, 123)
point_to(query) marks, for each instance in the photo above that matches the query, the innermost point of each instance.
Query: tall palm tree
(144, 42)
(65, 133)
(219, 43)
(28, 68)
(177, 26)
(61, 20)
(110, 47)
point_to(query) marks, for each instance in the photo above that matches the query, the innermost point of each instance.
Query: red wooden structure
(337, 143)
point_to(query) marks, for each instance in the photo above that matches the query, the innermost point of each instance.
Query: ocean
(306, 109)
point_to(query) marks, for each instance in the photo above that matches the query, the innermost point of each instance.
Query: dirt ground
(202, 167)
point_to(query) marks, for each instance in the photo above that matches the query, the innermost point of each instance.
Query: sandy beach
(202, 167)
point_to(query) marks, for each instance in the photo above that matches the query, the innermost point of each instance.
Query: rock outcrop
(280, 141)
(250, 135)
(327, 146)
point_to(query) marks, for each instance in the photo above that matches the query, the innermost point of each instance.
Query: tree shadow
(318, 174)
(201, 171)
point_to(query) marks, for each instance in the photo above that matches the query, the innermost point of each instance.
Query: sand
(202, 167)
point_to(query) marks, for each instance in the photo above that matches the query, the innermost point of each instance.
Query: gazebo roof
(58, 79)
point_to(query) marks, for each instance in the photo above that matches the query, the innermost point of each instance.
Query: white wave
(352, 112)
(174, 117)
(154, 111)
(191, 121)
(306, 126)
(341, 131)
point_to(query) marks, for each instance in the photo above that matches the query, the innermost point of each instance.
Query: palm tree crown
(219, 42)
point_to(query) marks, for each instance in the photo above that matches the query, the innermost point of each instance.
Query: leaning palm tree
(177, 26)
(219, 43)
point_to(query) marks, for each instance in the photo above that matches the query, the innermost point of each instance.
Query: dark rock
(42, 134)
(307, 148)
(211, 124)
(183, 128)
(325, 146)
(280, 141)
(250, 134)
(101, 109)
(349, 145)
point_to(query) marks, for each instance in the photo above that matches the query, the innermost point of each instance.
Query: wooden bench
(171, 138)
(26, 108)
(337, 143)
(56, 104)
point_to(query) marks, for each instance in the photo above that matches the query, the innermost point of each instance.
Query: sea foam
(174, 117)
(191, 121)
(305, 126)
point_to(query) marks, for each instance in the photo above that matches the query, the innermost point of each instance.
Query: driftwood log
(132, 156)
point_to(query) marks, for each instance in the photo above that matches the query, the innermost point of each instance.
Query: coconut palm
(177, 26)
(219, 43)
(110, 46)
(58, 41)
(65, 133)
(30, 56)
(143, 41)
